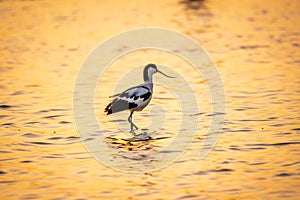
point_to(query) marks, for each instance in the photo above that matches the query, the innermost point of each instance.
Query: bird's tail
(108, 109)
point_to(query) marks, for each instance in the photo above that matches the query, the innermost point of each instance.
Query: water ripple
(274, 144)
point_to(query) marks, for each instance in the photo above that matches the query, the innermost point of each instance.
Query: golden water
(255, 45)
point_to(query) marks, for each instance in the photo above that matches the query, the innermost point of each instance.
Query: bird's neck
(147, 77)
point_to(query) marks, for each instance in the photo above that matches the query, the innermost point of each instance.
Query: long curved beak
(165, 74)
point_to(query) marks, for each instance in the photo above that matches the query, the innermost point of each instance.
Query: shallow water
(255, 45)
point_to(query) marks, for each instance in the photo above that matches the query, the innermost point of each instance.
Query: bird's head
(152, 69)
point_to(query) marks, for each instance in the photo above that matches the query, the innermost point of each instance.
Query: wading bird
(135, 98)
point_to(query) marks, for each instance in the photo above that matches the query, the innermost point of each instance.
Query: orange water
(255, 45)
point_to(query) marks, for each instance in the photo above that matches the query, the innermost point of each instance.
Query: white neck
(148, 75)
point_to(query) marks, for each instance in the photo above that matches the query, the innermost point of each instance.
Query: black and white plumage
(135, 98)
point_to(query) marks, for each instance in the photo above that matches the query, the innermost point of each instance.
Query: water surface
(255, 45)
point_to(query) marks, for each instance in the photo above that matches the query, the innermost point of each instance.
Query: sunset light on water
(255, 48)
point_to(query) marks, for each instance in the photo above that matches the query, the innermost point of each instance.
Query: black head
(150, 66)
(151, 69)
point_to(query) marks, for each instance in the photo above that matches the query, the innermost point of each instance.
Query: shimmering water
(255, 45)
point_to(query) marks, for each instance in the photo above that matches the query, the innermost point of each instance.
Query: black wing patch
(107, 109)
(147, 95)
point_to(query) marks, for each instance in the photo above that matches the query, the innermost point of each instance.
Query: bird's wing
(130, 89)
(129, 99)
(136, 94)
(114, 95)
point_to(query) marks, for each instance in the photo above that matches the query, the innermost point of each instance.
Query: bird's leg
(131, 123)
